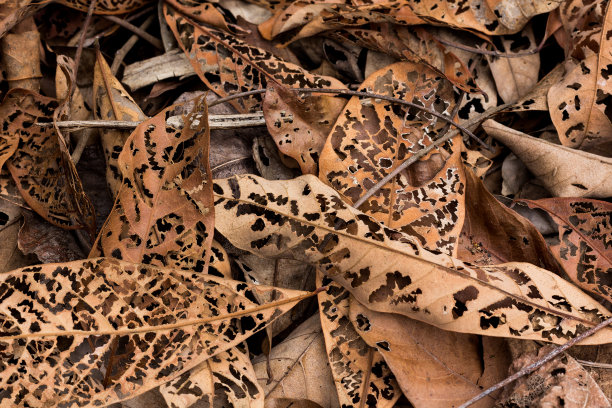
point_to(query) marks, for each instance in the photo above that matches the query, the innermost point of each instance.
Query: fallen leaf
(299, 368)
(390, 272)
(72, 317)
(112, 102)
(580, 103)
(582, 244)
(564, 171)
(106, 6)
(537, 98)
(562, 382)
(433, 370)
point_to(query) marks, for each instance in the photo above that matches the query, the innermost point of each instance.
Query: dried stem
(143, 34)
(79, 51)
(532, 367)
(123, 51)
(490, 52)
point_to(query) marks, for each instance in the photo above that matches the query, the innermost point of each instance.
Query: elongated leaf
(112, 102)
(580, 104)
(106, 6)
(362, 377)
(370, 139)
(390, 272)
(163, 212)
(565, 172)
(433, 370)
(583, 245)
(41, 167)
(98, 331)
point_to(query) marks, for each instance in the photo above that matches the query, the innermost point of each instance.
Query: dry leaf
(562, 382)
(112, 102)
(106, 6)
(390, 272)
(514, 77)
(224, 380)
(268, 161)
(564, 171)
(21, 56)
(299, 368)
(582, 245)
(372, 138)
(433, 370)
(162, 214)
(580, 103)
(537, 98)
(61, 323)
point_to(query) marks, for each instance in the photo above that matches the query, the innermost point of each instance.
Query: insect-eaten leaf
(390, 272)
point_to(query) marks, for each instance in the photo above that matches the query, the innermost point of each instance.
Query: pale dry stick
(595, 364)
(103, 33)
(143, 34)
(532, 367)
(123, 51)
(492, 52)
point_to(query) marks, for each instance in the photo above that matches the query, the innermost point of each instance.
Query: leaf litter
(352, 247)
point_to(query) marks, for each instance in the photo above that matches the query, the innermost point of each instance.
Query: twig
(79, 51)
(532, 367)
(489, 52)
(123, 51)
(143, 34)
(595, 364)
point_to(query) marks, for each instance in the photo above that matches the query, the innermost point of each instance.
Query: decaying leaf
(299, 368)
(370, 139)
(390, 272)
(162, 214)
(433, 370)
(41, 167)
(581, 103)
(106, 6)
(57, 349)
(224, 380)
(582, 245)
(112, 102)
(562, 382)
(537, 98)
(564, 171)
(362, 377)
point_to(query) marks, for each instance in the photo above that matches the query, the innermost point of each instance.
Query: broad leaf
(106, 6)
(390, 272)
(583, 244)
(581, 103)
(98, 331)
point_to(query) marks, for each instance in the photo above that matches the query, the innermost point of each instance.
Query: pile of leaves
(305, 203)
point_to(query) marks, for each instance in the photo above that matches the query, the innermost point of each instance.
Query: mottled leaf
(106, 6)
(583, 245)
(390, 272)
(102, 330)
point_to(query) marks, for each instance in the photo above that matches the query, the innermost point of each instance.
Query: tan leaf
(537, 98)
(515, 77)
(582, 245)
(112, 102)
(370, 139)
(564, 171)
(106, 6)
(433, 370)
(390, 272)
(580, 103)
(299, 368)
(98, 331)
(163, 213)
(562, 382)
(362, 377)
(224, 380)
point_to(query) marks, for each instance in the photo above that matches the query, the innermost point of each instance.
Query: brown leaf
(112, 102)
(493, 233)
(582, 245)
(564, 171)
(61, 323)
(21, 56)
(370, 139)
(433, 370)
(361, 375)
(390, 272)
(537, 98)
(299, 368)
(106, 6)
(515, 77)
(41, 167)
(562, 382)
(224, 380)
(580, 103)
(163, 213)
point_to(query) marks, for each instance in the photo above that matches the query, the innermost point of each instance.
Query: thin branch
(143, 34)
(123, 51)
(492, 53)
(595, 364)
(532, 367)
(79, 51)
